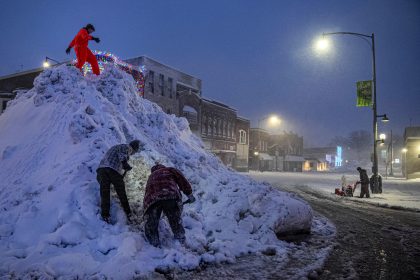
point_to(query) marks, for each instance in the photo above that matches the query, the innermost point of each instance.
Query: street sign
(364, 93)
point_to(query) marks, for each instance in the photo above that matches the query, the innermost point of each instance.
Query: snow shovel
(188, 201)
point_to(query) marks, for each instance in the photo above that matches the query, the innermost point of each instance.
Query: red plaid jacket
(165, 183)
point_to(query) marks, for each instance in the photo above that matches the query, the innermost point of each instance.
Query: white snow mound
(53, 137)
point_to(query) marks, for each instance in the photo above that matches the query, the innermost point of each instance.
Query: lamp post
(324, 45)
(46, 64)
(391, 146)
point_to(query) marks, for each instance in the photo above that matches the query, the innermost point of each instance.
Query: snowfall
(53, 137)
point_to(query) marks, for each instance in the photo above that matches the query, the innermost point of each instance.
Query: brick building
(279, 152)
(411, 156)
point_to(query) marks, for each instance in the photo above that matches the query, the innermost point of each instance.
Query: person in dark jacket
(364, 181)
(111, 170)
(163, 193)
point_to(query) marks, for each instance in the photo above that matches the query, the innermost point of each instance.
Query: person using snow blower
(364, 181)
(83, 53)
(112, 169)
(163, 193)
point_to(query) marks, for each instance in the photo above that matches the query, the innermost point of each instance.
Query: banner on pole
(364, 93)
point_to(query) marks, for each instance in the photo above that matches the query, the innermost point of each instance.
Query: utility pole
(391, 172)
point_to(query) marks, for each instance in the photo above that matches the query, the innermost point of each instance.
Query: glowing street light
(322, 44)
(382, 136)
(46, 63)
(274, 120)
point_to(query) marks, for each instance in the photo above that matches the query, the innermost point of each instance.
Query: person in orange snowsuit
(83, 53)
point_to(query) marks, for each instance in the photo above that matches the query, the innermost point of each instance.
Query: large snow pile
(52, 139)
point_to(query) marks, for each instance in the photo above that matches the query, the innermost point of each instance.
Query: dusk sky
(255, 56)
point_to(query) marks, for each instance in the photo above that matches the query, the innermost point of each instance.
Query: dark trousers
(173, 212)
(364, 190)
(107, 176)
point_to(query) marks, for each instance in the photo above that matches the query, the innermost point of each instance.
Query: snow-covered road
(397, 192)
(372, 242)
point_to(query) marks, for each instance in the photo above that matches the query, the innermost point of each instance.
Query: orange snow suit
(80, 44)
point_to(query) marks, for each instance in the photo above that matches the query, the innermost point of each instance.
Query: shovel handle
(186, 202)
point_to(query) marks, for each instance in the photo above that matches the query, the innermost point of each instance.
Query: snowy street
(372, 242)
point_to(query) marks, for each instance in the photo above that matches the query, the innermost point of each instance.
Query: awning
(264, 156)
(294, 158)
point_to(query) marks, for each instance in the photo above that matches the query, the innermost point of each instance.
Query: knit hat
(135, 144)
(90, 26)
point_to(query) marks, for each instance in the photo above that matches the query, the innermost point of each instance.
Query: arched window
(242, 136)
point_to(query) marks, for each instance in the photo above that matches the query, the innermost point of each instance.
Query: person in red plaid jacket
(111, 170)
(163, 193)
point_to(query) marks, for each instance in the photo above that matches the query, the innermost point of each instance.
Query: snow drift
(53, 137)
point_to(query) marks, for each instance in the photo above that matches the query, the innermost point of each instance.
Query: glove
(126, 166)
(68, 50)
(96, 39)
(130, 218)
(191, 198)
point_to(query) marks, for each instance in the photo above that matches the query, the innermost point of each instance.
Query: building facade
(322, 158)
(279, 152)
(259, 140)
(11, 84)
(411, 156)
(287, 150)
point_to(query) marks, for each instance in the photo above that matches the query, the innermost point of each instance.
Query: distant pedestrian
(83, 53)
(111, 170)
(364, 181)
(163, 193)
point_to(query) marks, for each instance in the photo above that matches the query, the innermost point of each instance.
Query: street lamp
(321, 46)
(384, 117)
(47, 64)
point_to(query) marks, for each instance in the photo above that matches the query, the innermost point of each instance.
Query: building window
(151, 81)
(170, 82)
(242, 136)
(204, 125)
(161, 84)
(214, 127)
(209, 126)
